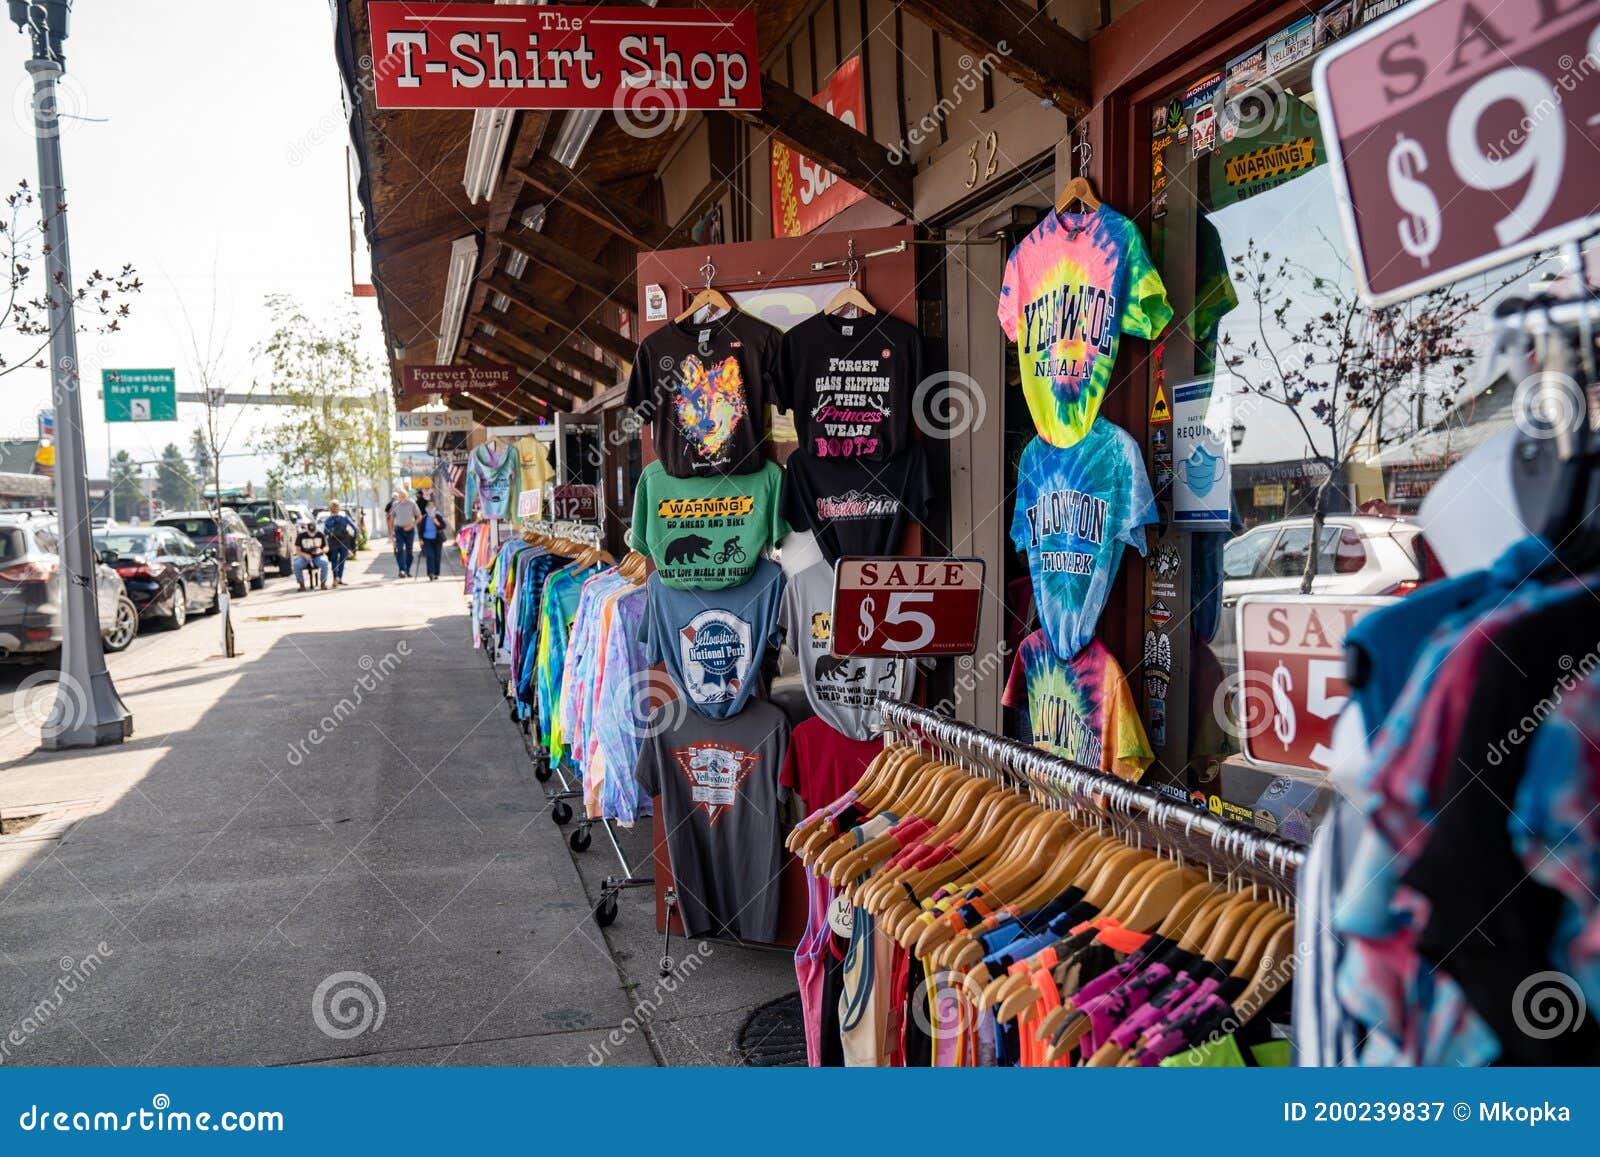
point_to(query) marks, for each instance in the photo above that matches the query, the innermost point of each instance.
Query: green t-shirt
(707, 534)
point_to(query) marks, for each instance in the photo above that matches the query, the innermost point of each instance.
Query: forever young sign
(438, 56)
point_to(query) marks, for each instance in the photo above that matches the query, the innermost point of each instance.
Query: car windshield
(254, 513)
(123, 542)
(193, 527)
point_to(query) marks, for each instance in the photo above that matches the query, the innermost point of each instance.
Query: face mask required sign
(644, 60)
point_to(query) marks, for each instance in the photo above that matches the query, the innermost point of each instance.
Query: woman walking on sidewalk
(430, 532)
(342, 535)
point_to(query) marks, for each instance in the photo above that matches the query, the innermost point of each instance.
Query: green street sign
(140, 395)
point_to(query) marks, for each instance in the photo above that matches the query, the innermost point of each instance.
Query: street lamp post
(87, 710)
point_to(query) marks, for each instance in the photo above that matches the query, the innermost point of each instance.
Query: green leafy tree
(126, 487)
(335, 425)
(174, 481)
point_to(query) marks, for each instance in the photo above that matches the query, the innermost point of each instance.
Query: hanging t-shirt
(535, 461)
(849, 384)
(853, 505)
(704, 389)
(707, 533)
(1076, 509)
(718, 783)
(822, 765)
(712, 641)
(1072, 287)
(843, 691)
(494, 479)
(1080, 708)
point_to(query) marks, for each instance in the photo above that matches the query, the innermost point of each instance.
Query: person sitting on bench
(310, 553)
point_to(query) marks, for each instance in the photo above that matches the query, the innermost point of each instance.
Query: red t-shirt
(822, 764)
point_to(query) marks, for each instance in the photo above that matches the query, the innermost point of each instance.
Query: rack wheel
(580, 839)
(511, 709)
(542, 772)
(561, 812)
(666, 966)
(605, 912)
(526, 729)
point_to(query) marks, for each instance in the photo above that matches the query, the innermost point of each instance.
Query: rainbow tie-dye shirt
(1072, 287)
(1080, 709)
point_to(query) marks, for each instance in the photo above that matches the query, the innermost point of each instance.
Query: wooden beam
(564, 318)
(680, 235)
(404, 244)
(525, 384)
(541, 368)
(542, 344)
(1019, 41)
(610, 212)
(574, 267)
(831, 143)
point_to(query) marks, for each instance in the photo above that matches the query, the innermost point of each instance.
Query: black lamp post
(87, 710)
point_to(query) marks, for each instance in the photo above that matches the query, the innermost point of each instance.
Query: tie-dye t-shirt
(1080, 709)
(1077, 507)
(1072, 287)
(704, 389)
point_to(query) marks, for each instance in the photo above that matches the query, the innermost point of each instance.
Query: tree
(127, 488)
(200, 454)
(29, 318)
(1349, 374)
(335, 428)
(174, 482)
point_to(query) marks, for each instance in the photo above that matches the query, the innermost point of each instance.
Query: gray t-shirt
(718, 784)
(405, 513)
(843, 692)
(712, 641)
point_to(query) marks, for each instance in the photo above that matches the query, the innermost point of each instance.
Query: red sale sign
(1291, 682)
(437, 56)
(1462, 136)
(416, 380)
(904, 607)
(804, 194)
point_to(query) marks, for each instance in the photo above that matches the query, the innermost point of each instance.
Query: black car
(166, 574)
(241, 551)
(272, 527)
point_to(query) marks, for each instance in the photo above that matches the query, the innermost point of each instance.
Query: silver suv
(30, 592)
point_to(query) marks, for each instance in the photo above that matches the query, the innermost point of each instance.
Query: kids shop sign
(445, 56)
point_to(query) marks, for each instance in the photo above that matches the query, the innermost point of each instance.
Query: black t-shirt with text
(704, 389)
(849, 383)
(856, 506)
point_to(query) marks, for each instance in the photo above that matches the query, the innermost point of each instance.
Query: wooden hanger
(1079, 188)
(707, 295)
(851, 297)
(634, 567)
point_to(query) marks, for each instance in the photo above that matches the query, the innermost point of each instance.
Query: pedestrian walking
(430, 532)
(341, 533)
(402, 515)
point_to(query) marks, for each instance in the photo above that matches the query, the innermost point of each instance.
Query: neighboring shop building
(552, 242)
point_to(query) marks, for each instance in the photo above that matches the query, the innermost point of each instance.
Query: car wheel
(180, 607)
(285, 566)
(238, 589)
(123, 629)
(259, 579)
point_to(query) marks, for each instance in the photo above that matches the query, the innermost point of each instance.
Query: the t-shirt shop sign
(651, 60)
(906, 607)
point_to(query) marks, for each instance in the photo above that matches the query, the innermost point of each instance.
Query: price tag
(905, 607)
(1461, 139)
(841, 916)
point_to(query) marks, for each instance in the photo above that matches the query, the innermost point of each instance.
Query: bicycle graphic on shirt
(731, 552)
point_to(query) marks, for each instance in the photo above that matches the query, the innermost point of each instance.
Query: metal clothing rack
(1149, 817)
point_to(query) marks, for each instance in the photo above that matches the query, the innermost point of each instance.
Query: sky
(214, 163)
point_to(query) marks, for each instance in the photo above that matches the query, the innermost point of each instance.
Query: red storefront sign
(1291, 682)
(576, 502)
(437, 56)
(456, 379)
(904, 607)
(1462, 137)
(804, 194)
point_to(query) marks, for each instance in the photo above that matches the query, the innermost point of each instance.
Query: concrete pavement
(330, 849)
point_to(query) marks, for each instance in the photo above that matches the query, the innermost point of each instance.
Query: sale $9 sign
(1462, 136)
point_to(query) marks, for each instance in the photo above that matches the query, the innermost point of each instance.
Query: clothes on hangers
(857, 506)
(707, 533)
(534, 459)
(704, 387)
(559, 603)
(494, 479)
(849, 383)
(712, 642)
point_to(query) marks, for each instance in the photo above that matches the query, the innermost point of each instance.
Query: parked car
(1359, 555)
(30, 593)
(271, 525)
(167, 575)
(242, 552)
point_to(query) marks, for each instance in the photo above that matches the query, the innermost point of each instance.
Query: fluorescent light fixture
(501, 301)
(486, 147)
(517, 263)
(533, 216)
(457, 287)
